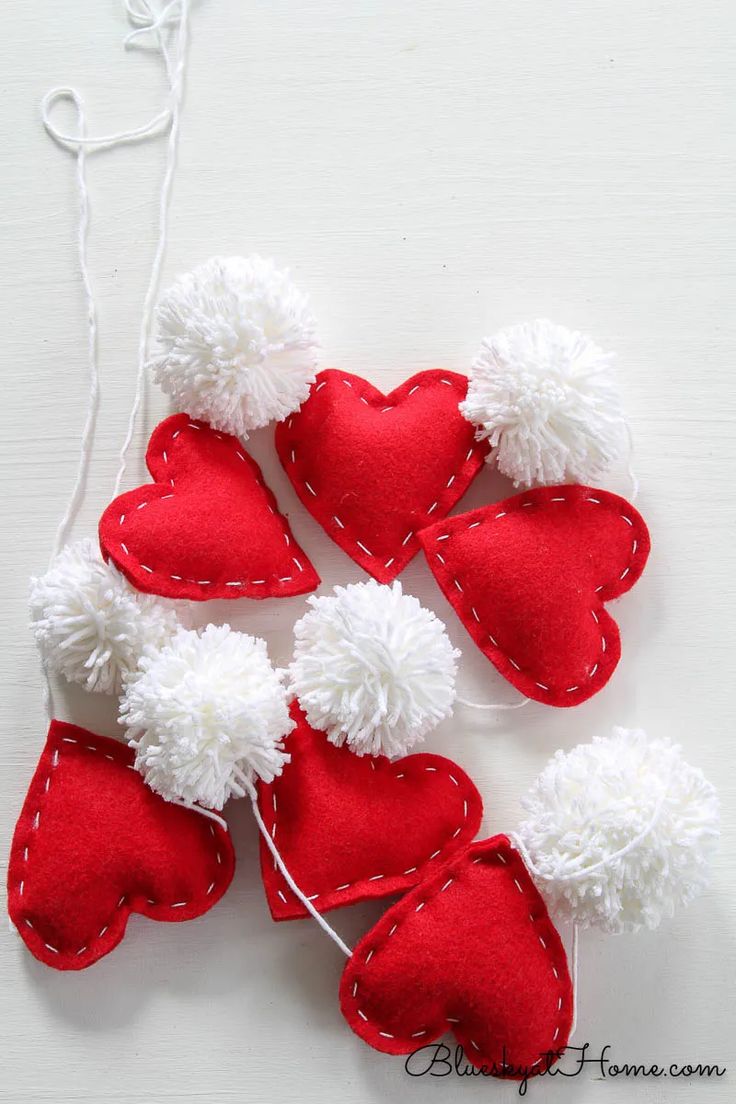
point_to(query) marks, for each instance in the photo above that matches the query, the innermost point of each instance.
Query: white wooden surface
(431, 172)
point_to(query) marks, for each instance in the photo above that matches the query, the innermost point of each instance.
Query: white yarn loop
(608, 860)
(77, 142)
(251, 791)
(619, 832)
(145, 21)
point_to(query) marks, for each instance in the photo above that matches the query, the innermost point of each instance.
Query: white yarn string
(574, 978)
(208, 813)
(251, 791)
(93, 402)
(493, 705)
(629, 465)
(174, 14)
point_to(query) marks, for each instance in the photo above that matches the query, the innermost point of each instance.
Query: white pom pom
(545, 398)
(373, 668)
(89, 623)
(204, 710)
(594, 801)
(237, 342)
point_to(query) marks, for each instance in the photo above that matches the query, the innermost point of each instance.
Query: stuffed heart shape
(373, 469)
(528, 578)
(471, 949)
(352, 827)
(208, 527)
(93, 843)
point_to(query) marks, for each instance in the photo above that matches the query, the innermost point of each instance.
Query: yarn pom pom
(546, 400)
(205, 711)
(372, 668)
(633, 813)
(90, 625)
(237, 344)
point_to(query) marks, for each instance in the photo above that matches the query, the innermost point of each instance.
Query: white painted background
(432, 172)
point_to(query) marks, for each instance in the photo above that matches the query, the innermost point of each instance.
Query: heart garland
(373, 671)
(470, 946)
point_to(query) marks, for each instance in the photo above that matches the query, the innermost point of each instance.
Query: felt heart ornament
(471, 949)
(352, 827)
(208, 527)
(93, 843)
(529, 576)
(373, 469)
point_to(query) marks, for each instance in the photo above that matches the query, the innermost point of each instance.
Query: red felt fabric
(373, 469)
(352, 827)
(472, 950)
(208, 527)
(93, 843)
(528, 577)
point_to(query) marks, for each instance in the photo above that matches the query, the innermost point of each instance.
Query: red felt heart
(373, 469)
(352, 827)
(208, 527)
(471, 949)
(93, 843)
(528, 578)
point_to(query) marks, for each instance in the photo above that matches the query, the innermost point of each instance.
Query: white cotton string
(208, 813)
(629, 466)
(251, 791)
(93, 401)
(574, 979)
(175, 14)
(47, 692)
(493, 705)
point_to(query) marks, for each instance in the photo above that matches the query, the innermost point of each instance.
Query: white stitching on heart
(209, 582)
(450, 1019)
(506, 656)
(34, 827)
(311, 490)
(377, 877)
